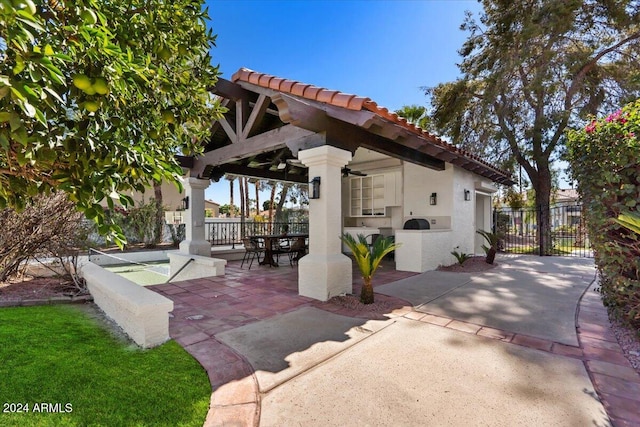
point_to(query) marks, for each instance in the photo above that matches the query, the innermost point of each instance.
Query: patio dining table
(272, 245)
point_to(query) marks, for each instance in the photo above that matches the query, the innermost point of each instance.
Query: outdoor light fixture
(433, 200)
(185, 203)
(467, 195)
(315, 188)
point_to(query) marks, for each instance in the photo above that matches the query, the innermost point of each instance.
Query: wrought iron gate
(519, 232)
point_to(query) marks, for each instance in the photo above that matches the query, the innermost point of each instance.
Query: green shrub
(460, 256)
(604, 160)
(138, 222)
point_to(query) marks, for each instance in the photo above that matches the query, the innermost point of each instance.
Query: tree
(257, 186)
(48, 228)
(233, 210)
(247, 202)
(530, 71)
(228, 209)
(97, 98)
(267, 205)
(368, 259)
(415, 114)
(159, 213)
(284, 191)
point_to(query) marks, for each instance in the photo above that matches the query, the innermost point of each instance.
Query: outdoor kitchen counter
(423, 250)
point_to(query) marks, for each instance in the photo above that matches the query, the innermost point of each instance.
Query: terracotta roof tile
(298, 89)
(286, 86)
(275, 83)
(326, 95)
(351, 102)
(311, 92)
(264, 80)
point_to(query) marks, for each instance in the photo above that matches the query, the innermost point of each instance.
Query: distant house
(564, 196)
(171, 197)
(211, 209)
(566, 210)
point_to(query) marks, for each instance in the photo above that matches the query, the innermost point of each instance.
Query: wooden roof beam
(258, 173)
(262, 143)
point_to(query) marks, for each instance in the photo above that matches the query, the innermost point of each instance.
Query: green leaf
(21, 136)
(19, 66)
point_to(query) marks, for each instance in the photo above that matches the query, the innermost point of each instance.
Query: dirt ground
(471, 265)
(31, 288)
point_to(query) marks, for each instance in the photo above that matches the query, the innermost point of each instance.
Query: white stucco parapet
(140, 312)
(194, 266)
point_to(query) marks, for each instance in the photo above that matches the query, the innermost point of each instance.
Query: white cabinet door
(393, 189)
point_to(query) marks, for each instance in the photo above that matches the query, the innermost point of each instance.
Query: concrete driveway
(313, 367)
(535, 296)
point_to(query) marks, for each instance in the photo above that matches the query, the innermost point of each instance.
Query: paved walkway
(274, 357)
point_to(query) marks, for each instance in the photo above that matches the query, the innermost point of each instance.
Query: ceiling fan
(347, 171)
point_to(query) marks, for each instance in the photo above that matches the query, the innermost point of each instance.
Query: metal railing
(519, 231)
(231, 233)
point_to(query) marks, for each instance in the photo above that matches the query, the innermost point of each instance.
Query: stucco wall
(422, 251)
(463, 217)
(140, 312)
(419, 182)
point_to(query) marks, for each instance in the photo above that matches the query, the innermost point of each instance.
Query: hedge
(604, 158)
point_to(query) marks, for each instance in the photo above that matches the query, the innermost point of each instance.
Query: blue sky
(385, 50)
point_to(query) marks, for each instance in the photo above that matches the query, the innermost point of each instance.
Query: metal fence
(231, 233)
(519, 232)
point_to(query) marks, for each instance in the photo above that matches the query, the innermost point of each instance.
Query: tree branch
(589, 66)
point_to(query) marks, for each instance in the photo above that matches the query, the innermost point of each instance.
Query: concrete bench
(141, 313)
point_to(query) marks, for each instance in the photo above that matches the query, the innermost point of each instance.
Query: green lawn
(61, 355)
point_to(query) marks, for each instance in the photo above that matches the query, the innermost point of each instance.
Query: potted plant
(492, 241)
(368, 259)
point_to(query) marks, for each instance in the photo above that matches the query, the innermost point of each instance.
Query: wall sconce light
(467, 195)
(433, 199)
(315, 188)
(185, 203)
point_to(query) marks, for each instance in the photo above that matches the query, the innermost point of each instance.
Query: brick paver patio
(205, 307)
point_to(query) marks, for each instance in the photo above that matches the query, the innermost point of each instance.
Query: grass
(62, 355)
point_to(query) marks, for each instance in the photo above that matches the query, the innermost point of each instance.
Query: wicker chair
(296, 249)
(252, 251)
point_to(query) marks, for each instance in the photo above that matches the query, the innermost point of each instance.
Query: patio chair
(252, 251)
(372, 239)
(280, 246)
(296, 249)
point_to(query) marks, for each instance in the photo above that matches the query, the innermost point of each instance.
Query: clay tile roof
(351, 102)
(298, 89)
(326, 96)
(275, 83)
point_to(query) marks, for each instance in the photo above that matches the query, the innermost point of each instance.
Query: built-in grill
(416, 224)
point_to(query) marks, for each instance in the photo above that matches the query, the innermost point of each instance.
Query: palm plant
(630, 221)
(492, 240)
(368, 259)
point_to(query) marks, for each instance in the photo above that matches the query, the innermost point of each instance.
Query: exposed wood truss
(264, 129)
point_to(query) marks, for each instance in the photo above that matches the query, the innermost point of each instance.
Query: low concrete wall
(201, 266)
(423, 250)
(141, 313)
(228, 253)
(116, 258)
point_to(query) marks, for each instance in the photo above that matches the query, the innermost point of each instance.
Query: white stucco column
(325, 272)
(195, 243)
